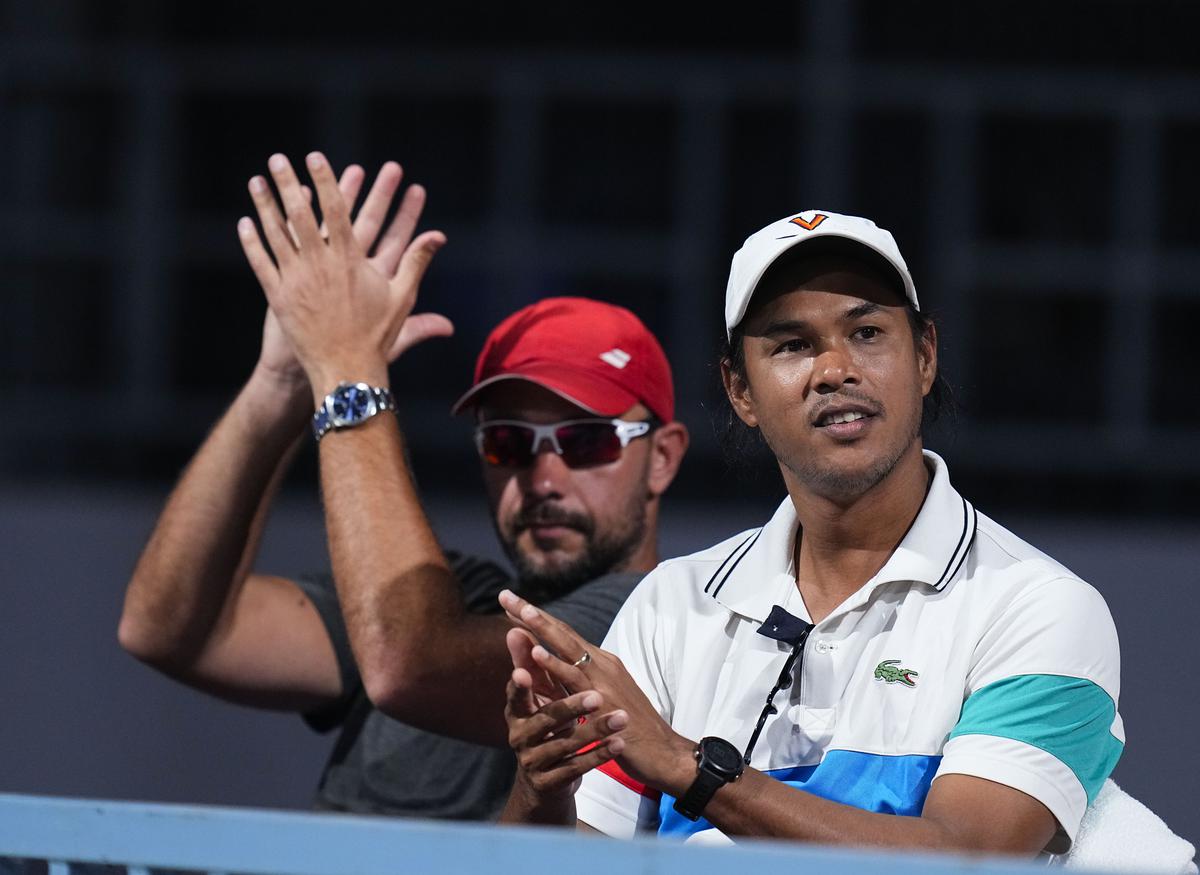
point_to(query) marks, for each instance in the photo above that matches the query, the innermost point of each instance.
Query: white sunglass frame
(626, 430)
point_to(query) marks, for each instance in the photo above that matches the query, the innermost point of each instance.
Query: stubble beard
(603, 552)
(842, 486)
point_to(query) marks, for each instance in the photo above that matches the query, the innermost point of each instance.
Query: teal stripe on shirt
(1069, 718)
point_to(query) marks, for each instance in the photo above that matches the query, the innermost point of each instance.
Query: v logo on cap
(810, 225)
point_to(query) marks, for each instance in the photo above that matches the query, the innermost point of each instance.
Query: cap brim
(583, 389)
(817, 237)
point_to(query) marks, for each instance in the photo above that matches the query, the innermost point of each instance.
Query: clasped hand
(343, 313)
(548, 695)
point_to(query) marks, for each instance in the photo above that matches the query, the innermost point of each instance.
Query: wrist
(678, 767)
(550, 808)
(326, 379)
(276, 399)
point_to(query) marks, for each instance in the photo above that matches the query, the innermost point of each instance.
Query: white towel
(1120, 834)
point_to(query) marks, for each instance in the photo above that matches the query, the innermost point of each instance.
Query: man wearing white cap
(877, 648)
(405, 655)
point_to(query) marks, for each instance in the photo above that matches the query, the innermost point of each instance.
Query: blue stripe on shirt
(874, 782)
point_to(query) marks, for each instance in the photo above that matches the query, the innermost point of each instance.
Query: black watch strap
(691, 804)
(717, 763)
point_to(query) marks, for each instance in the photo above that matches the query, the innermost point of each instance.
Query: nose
(833, 369)
(546, 475)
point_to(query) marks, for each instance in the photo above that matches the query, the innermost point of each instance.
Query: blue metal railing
(60, 836)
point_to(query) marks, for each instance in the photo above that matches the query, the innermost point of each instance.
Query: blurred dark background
(1036, 161)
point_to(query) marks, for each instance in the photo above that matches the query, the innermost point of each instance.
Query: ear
(737, 390)
(927, 358)
(668, 443)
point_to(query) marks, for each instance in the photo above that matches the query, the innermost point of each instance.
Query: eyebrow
(861, 309)
(786, 326)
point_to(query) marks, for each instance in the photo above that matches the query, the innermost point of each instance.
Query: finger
(271, 220)
(520, 643)
(375, 207)
(292, 235)
(415, 262)
(298, 211)
(259, 259)
(571, 677)
(308, 198)
(350, 185)
(561, 718)
(520, 702)
(570, 769)
(552, 632)
(333, 204)
(391, 248)
(550, 753)
(417, 329)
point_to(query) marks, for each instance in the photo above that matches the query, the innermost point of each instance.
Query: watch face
(721, 754)
(351, 404)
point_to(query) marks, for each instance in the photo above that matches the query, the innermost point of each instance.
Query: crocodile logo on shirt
(889, 671)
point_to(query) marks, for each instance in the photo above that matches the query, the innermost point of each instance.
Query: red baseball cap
(597, 355)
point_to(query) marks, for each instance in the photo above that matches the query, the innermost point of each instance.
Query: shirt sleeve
(1040, 713)
(608, 799)
(320, 591)
(479, 580)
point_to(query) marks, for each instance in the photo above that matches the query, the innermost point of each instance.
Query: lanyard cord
(785, 680)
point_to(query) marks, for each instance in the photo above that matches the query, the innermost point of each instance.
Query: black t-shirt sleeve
(589, 610)
(479, 579)
(321, 592)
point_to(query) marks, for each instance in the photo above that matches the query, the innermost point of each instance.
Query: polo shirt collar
(760, 573)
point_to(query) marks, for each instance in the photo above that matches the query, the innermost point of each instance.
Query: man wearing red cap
(575, 426)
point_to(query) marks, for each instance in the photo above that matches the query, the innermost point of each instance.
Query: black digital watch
(718, 763)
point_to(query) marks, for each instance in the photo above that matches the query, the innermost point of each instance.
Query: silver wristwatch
(348, 405)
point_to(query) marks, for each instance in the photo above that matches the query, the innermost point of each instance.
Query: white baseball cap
(763, 248)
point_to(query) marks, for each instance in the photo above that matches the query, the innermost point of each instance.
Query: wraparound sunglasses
(511, 443)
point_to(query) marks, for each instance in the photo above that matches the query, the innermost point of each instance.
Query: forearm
(402, 605)
(961, 813)
(204, 542)
(759, 806)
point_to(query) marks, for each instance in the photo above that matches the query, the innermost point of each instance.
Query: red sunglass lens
(507, 445)
(588, 443)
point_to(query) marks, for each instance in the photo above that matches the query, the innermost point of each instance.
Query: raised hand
(343, 310)
(276, 358)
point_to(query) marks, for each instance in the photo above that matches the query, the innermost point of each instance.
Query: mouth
(842, 414)
(840, 418)
(845, 421)
(546, 527)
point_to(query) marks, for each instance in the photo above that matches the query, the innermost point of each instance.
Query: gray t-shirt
(382, 766)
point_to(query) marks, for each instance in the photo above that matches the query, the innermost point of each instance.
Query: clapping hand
(590, 683)
(337, 309)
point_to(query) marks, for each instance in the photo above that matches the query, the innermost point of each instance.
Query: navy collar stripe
(721, 567)
(967, 551)
(957, 557)
(742, 556)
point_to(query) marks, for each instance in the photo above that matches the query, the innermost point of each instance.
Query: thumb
(415, 262)
(418, 328)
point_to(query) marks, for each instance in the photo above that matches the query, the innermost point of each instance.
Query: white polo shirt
(970, 652)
